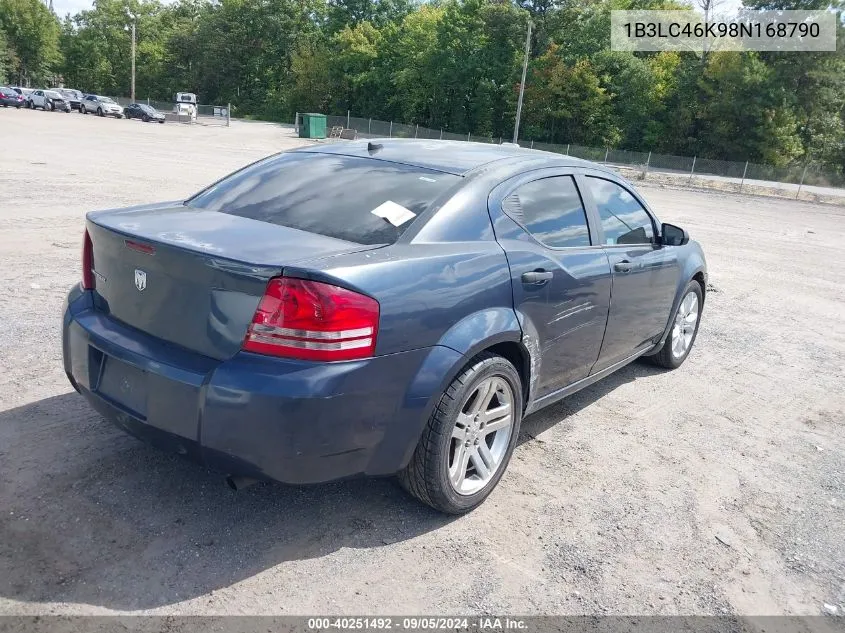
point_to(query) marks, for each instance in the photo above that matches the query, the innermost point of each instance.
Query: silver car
(48, 100)
(102, 106)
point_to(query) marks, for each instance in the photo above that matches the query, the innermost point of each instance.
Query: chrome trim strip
(326, 347)
(283, 331)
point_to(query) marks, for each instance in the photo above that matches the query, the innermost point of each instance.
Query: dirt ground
(716, 488)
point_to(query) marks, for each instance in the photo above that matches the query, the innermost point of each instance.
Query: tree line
(450, 64)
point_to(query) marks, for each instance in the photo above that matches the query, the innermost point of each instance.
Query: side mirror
(673, 235)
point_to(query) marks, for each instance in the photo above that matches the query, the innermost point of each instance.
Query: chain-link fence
(806, 182)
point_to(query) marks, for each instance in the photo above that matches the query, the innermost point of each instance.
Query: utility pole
(132, 89)
(522, 84)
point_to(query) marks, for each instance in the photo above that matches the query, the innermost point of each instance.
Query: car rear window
(329, 194)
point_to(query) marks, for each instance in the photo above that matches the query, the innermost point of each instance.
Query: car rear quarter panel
(453, 294)
(451, 298)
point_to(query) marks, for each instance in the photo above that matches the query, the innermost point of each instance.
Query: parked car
(371, 308)
(144, 112)
(102, 106)
(73, 97)
(9, 97)
(24, 92)
(48, 100)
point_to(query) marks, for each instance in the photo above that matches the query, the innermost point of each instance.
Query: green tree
(567, 103)
(32, 32)
(5, 59)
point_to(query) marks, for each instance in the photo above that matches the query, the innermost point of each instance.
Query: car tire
(435, 466)
(684, 331)
(146, 119)
(100, 112)
(82, 110)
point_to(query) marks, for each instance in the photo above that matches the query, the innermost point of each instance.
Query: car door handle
(623, 267)
(537, 277)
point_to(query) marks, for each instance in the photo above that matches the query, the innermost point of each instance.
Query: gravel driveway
(716, 488)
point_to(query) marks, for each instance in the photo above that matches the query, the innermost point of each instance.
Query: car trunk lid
(193, 277)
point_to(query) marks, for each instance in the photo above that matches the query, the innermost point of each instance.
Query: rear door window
(551, 210)
(329, 194)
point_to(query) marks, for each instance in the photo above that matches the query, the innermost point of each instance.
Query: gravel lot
(717, 488)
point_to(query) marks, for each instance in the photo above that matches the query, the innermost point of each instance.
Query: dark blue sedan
(375, 308)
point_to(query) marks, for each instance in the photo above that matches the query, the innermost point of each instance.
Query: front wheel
(82, 110)
(685, 324)
(469, 438)
(99, 112)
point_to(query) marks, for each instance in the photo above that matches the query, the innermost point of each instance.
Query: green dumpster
(313, 125)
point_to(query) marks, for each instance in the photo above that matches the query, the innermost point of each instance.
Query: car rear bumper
(291, 421)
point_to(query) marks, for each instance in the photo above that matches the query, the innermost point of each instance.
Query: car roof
(454, 157)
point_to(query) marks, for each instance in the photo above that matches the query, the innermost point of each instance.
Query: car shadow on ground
(89, 515)
(558, 413)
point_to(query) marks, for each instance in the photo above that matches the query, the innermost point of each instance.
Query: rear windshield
(329, 194)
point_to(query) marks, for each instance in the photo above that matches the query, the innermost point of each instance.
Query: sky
(64, 7)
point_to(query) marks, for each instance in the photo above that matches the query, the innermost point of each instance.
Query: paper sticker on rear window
(394, 213)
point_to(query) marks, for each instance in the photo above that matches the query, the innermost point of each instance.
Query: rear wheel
(469, 438)
(685, 323)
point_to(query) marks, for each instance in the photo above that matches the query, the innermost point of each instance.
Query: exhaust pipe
(239, 483)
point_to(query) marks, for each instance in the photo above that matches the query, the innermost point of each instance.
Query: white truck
(186, 105)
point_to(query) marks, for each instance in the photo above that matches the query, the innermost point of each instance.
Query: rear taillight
(87, 262)
(311, 320)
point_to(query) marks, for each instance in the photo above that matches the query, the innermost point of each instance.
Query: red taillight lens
(87, 262)
(311, 320)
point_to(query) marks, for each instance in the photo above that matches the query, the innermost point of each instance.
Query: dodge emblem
(140, 279)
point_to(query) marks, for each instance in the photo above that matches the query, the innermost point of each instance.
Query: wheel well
(518, 357)
(699, 277)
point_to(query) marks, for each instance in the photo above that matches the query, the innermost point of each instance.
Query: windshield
(8, 92)
(52, 94)
(105, 100)
(73, 94)
(360, 200)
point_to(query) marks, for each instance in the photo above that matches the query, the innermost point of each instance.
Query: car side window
(552, 211)
(623, 218)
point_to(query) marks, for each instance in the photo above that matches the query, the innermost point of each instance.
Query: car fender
(470, 336)
(531, 344)
(692, 263)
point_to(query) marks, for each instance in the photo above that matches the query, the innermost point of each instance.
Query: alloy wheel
(683, 329)
(481, 435)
